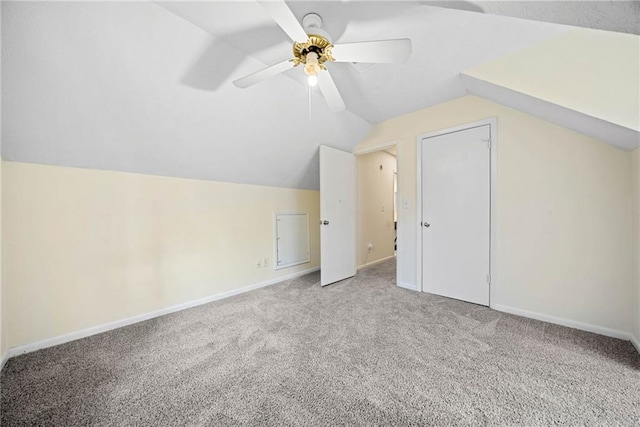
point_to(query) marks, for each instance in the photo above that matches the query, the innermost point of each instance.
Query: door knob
(325, 222)
(426, 224)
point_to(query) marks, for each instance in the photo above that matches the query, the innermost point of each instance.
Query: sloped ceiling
(587, 80)
(146, 87)
(99, 85)
(445, 42)
(621, 16)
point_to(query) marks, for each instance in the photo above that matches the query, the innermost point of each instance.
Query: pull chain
(309, 86)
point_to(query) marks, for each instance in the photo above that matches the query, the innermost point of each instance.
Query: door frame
(372, 149)
(493, 203)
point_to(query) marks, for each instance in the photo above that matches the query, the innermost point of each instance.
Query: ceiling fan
(312, 47)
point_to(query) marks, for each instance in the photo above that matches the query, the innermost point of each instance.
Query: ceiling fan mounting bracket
(316, 43)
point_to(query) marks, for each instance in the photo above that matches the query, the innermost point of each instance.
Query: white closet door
(456, 214)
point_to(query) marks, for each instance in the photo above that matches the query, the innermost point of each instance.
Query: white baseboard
(378, 261)
(72, 336)
(407, 286)
(564, 322)
(636, 342)
(4, 359)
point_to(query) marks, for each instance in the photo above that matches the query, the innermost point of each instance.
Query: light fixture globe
(311, 66)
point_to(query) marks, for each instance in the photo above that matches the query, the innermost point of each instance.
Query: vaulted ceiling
(146, 87)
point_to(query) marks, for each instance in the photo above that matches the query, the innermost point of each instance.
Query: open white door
(337, 215)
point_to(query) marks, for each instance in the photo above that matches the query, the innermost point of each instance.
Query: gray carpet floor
(359, 352)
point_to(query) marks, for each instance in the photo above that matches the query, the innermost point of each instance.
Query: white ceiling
(446, 41)
(611, 15)
(146, 87)
(99, 85)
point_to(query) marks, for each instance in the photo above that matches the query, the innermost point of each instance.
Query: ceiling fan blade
(283, 16)
(330, 92)
(263, 74)
(383, 51)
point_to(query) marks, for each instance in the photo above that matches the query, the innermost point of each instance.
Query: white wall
(635, 167)
(86, 247)
(563, 213)
(375, 206)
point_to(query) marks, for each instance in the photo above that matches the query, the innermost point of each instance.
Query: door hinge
(488, 141)
(489, 278)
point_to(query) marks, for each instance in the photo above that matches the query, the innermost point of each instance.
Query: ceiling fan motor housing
(318, 42)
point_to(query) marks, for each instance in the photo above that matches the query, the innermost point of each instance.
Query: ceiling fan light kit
(312, 80)
(317, 49)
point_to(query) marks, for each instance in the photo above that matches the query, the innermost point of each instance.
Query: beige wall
(563, 212)
(375, 206)
(3, 324)
(591, 71)
(87, 247)
(635, 166)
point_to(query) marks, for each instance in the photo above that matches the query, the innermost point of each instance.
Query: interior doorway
(376, 201)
